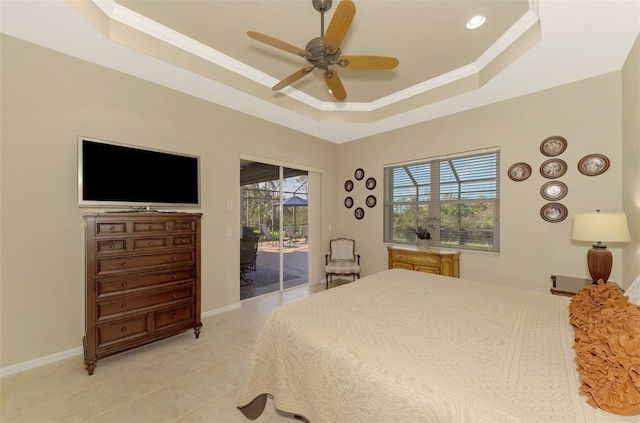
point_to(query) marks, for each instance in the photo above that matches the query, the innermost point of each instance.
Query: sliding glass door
(275, 220)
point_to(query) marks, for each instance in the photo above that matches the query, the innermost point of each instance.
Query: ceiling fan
(324, 51)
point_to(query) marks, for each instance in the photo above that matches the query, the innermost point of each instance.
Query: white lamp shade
(601, 227)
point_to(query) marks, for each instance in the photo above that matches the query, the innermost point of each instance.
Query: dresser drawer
(129, 282)
(184, 240)
(184, 225)
(150, 226)
(426, 269)
(176, 316)
(118, 331)
(400, 265)
(111, 308)
(108, 246)
(104, 228)
(132, 263)
(424, 259)
(142, 244)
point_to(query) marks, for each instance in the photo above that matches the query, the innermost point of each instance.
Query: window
(456, 198)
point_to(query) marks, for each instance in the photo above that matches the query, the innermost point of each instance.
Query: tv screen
(113, 174)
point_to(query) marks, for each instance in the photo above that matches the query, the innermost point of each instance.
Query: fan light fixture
(476, 22)
(324, 51)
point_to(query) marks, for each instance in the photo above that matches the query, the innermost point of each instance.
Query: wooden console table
(438, 261)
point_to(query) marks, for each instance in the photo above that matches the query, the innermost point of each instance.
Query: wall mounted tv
(114, 174)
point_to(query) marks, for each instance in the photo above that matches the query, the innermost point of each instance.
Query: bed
(403, 346)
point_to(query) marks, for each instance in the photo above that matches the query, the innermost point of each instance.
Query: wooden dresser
(433, 260)
(142, 280)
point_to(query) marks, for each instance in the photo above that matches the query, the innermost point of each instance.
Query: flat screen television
(111, 174)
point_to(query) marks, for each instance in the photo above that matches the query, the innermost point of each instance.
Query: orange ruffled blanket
(607, 343)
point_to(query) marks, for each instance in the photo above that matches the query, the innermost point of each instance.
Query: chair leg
(326, 278)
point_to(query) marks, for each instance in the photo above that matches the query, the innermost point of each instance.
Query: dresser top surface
(412, 248)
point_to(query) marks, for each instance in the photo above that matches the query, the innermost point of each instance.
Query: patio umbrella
(294, 201)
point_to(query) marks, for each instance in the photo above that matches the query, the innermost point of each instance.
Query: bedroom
(48, 99)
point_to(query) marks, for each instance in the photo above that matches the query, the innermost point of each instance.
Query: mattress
(403, 346)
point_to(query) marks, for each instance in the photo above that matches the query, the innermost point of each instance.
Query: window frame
(426, 205)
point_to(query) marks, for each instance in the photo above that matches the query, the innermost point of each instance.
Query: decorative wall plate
(348, 186)
(554, 191)
(358, 174)
(371, 201)
(554, 212)
(359, 213)
(348, 202)
(553, 168)
(593, 164)
(519, 171)
(553, 146)
(370, 183)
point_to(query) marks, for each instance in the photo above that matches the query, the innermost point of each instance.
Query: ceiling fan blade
(335, 84)
(274, 42)
(338, 26)
(368, 62)
(292, 78)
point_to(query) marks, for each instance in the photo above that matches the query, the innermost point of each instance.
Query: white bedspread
(402, 346)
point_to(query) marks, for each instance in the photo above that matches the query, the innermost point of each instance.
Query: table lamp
(600, 227)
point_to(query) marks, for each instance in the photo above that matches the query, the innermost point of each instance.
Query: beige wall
(48, 99)
(631, 159)
(586, 113)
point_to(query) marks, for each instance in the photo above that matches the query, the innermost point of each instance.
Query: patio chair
(305, 233)
(248, 256)
(267, 235)
(289, 234)
(341, 259)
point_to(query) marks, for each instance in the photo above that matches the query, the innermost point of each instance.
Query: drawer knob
(182, 241)
(175, 277)
(124, 306)
(174, 258)
(184, 226)
(124, 329)
(151, 227)
(124, 264)
(174, 295)
(112, 228)
(174, 316)
(112, 246)
(150, 243)
(124, 284)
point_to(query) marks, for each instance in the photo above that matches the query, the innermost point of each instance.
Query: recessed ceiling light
(476, 22)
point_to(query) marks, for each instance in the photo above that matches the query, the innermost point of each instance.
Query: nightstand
(568, 286)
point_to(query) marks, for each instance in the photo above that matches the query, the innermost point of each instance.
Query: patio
(265, 278)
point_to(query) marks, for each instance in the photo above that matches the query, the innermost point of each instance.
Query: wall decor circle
(348, 186)
(593, 164)
(371, 201)
(370, 183)
(359, 213)
(553, 168)
(519, 171)
(554, 212)
(553, 146)
(348, 202)
(358, 174)
(554, 191)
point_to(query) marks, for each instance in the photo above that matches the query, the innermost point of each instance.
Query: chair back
(342, 249)
(248, 251)
(266, 233)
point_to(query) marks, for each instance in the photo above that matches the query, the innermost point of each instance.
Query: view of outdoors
(455, 200)
(265, 229)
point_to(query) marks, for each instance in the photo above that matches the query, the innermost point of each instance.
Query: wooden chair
(341, 259)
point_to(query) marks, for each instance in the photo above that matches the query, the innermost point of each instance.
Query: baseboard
(79, 351)
(42, 361)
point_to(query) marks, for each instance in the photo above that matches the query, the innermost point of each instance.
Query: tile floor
(179, 379)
